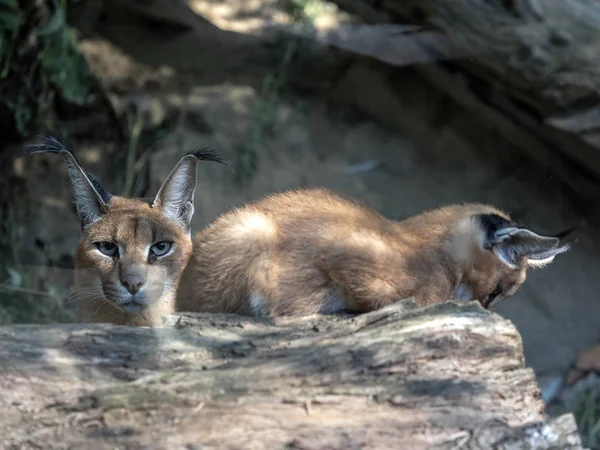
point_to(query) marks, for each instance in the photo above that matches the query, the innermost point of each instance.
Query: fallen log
(444, 377)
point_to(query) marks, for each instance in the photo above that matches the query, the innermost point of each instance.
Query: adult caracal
(292, 253)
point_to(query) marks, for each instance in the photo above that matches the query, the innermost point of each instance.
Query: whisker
(105, 303)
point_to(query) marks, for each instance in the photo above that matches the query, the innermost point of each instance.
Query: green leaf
(11, 4)
(65, 67)
(21, 112)
(10, 20)
(74, 89)
(56, 23)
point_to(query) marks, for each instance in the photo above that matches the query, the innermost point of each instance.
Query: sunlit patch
(91, 155)
(369, 241)
(251, 225)
(382, 288)
(467, 239)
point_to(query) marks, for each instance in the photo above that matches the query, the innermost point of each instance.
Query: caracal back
(312, 251)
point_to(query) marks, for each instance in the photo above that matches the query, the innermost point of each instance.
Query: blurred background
(405, 104)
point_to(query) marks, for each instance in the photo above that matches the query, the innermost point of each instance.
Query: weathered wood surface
(531, 70)
(446, 377)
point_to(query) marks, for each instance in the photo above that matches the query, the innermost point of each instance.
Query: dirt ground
(384, 136)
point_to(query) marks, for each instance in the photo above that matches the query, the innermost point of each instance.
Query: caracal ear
(511, 244)
(176, 195)
(90, 198)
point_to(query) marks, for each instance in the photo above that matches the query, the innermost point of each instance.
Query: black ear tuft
(176, 195)
(90, 197)
(47, 144)
(566, 233)
(50, 144)
(209, 154)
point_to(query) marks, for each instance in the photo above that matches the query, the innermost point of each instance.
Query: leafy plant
(39, 60)
(39, 64)
(65, 67)
(10, 24)
(587, 415)
(264, 113)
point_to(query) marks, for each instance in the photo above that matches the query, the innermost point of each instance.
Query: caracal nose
(133, 283)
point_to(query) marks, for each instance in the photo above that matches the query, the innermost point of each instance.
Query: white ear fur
(506, 255)
(545, 258)
(539, 263)
(511, 243)
(88, 201)
(176, 195)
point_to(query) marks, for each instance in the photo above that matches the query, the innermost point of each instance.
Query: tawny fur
(135, 226)
(312, 251)
(131, 253)
(293, 253)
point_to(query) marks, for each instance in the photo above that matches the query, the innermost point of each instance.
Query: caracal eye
(161, 248)
(107, 248)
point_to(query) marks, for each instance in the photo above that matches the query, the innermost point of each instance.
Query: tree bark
(444, 377)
